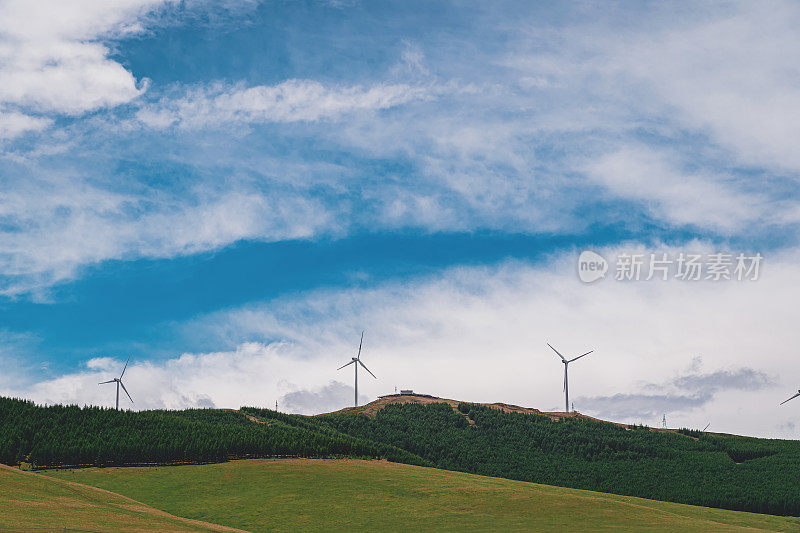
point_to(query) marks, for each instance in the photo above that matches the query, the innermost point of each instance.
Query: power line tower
(664, 421)
(276, 406)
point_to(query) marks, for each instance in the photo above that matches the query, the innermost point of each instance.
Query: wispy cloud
(556, 128)
(220, 105)
(590, 121)
(13, 124)
(69, 224)
(730, 75)
(724, 75)
(675, 195)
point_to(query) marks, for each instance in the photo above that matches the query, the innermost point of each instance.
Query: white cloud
(472, 170)
(478, 334)
(639, 173)
(52, 58)
(506, 152)
(319, 400)
(69, 223)
(13, 124)
(733, 75)
(253, 374)
(17, 352)
(726, 72)
(289, 101)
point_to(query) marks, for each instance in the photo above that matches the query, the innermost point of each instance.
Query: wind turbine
(357, 361)
(792, 398)
(119, 382)
(566, 381)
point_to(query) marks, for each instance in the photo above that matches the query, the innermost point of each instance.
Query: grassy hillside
(29, 500)
(314, 495)
(740, 473)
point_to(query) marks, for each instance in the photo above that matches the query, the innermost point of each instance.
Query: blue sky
(248, 184)
(88, 315)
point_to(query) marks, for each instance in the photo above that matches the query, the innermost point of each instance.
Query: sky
(230, 192)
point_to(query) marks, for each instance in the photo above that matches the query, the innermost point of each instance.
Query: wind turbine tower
(357, 361)
(119, 383)
(566, 380)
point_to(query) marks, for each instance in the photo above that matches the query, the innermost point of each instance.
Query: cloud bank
(691, 391)
(478, 334)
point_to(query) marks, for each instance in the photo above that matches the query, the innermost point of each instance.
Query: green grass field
(311, 494)
(30, 500)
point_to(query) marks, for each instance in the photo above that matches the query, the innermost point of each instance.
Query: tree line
(60, 435)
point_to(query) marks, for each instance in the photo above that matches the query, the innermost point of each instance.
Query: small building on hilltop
(408, 392)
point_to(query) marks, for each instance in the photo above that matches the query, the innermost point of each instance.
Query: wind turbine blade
(792, 398)
(367, 369)
(125, 367)
(341, 367)
(126, 391)
(587, 353)
(104, 382)
(359, 346)
(561, 356)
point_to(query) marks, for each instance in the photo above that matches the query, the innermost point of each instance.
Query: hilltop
(370, 409)
(373, 407)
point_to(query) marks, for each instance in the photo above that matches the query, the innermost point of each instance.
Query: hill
(749, 474)
(57, 436)
(325, 495)
(373, 407)
(29, 500)
(730, 472)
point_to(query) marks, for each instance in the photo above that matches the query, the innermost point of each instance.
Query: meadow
(349, 494)
(711, 470)
(29, 500)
